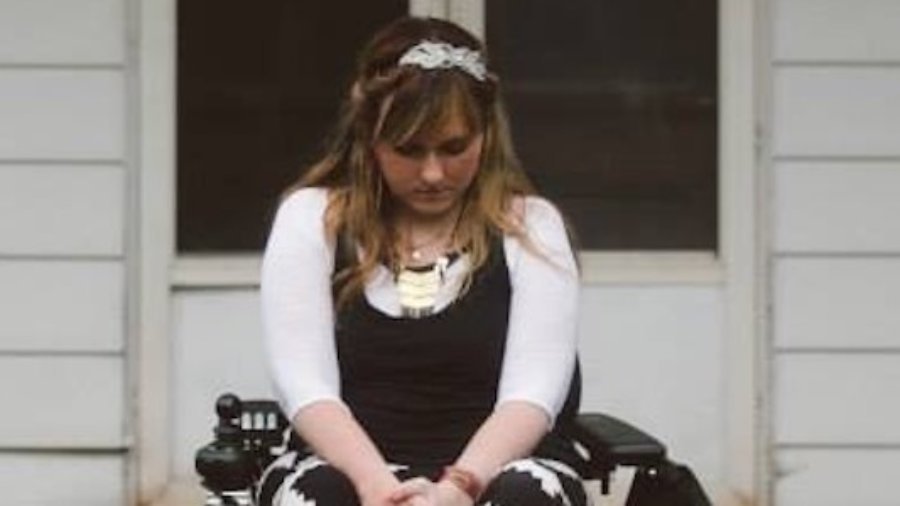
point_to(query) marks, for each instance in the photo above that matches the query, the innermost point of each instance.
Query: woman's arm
(330, 429)
(538, 362)
(540, 348)
(297, 315)
(511, 432)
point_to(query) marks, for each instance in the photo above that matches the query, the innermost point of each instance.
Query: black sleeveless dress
(421, 387)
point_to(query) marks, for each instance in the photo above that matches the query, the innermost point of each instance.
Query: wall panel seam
(835, 64)
(837, 158)
(813, 350)
(6, 451)
(837, 255)
(63, 161)
(831, 446)
(55, 257)
(119, 164)
(61, 353)
(61, 66)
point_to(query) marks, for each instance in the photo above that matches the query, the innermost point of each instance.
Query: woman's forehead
(450, 122)
(451, 127)
(450, 112)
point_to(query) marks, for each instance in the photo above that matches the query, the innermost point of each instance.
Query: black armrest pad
(616, 442)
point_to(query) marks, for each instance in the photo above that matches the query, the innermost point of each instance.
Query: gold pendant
(418, 289)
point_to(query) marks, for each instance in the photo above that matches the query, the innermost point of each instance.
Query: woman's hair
(395, 103)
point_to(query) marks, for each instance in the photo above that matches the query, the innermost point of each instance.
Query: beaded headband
(441, 55)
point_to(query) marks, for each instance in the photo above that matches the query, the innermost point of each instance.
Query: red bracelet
(463, 480)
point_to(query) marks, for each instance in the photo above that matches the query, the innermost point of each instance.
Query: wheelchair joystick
(229, 408)
(227, 468)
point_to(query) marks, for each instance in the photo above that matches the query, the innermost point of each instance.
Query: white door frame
(744, 232)
(155, 248)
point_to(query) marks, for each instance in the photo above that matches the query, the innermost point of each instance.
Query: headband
(441, 55)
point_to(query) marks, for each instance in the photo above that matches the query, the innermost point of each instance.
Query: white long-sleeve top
(298, 316)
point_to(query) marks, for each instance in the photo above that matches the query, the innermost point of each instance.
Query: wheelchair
(250, 434)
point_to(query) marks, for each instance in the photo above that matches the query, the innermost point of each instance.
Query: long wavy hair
(393, 103)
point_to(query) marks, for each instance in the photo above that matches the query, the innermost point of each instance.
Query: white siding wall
(62, 254)
(836, 251)
(653, 354)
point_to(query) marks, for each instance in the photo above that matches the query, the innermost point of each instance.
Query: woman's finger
(410, 488)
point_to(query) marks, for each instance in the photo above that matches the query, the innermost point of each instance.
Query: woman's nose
(432, 168)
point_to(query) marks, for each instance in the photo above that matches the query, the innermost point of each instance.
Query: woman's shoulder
(533, 212)
(303, 204)
(302, 210)
(543, 233)
(305, 197)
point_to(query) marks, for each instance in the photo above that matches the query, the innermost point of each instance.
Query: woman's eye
(410, 150)
(454, 147)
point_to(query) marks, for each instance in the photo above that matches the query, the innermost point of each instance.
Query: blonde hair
(392, 103)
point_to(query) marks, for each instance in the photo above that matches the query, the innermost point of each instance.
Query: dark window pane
(259, 85)
(614, 112)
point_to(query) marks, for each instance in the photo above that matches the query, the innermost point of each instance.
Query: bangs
(423, 104)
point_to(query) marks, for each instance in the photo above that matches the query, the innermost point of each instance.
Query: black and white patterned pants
(306, 480)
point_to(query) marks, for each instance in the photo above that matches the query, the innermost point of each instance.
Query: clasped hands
(421, 491)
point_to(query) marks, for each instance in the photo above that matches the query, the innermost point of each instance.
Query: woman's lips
(433, 194)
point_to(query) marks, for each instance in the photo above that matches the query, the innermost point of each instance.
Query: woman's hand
(378, 492)
(450, 495)
(424, 492)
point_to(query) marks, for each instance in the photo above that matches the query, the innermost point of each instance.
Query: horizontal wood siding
(837, 303)
(74, 210)
(837, 111)
(837, 206)
(64, 174)
(837, 399)
(835, 115)
(75, 32)
(62, 306)
(838, 478)
(72, 480)
(67, 402)
(62, 114)
(836, 30)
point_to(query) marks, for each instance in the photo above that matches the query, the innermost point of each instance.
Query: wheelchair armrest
(612, 442)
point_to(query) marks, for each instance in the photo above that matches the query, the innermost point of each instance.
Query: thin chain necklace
(432, 248)
(418, 253)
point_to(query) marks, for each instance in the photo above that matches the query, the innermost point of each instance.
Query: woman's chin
(433, 209)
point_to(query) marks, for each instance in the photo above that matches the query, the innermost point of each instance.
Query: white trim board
(154, 244)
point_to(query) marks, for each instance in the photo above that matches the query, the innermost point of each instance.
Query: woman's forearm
(335, 435)
(510, 433)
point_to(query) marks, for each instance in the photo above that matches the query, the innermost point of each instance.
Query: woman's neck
(422, 240)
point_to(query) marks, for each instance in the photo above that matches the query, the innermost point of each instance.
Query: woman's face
(428, 175)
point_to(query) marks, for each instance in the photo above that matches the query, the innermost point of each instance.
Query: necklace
(431, 248)
(418, 287)
(418, 254)
(423, 266)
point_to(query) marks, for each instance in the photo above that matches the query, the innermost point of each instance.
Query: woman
(419, 300)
